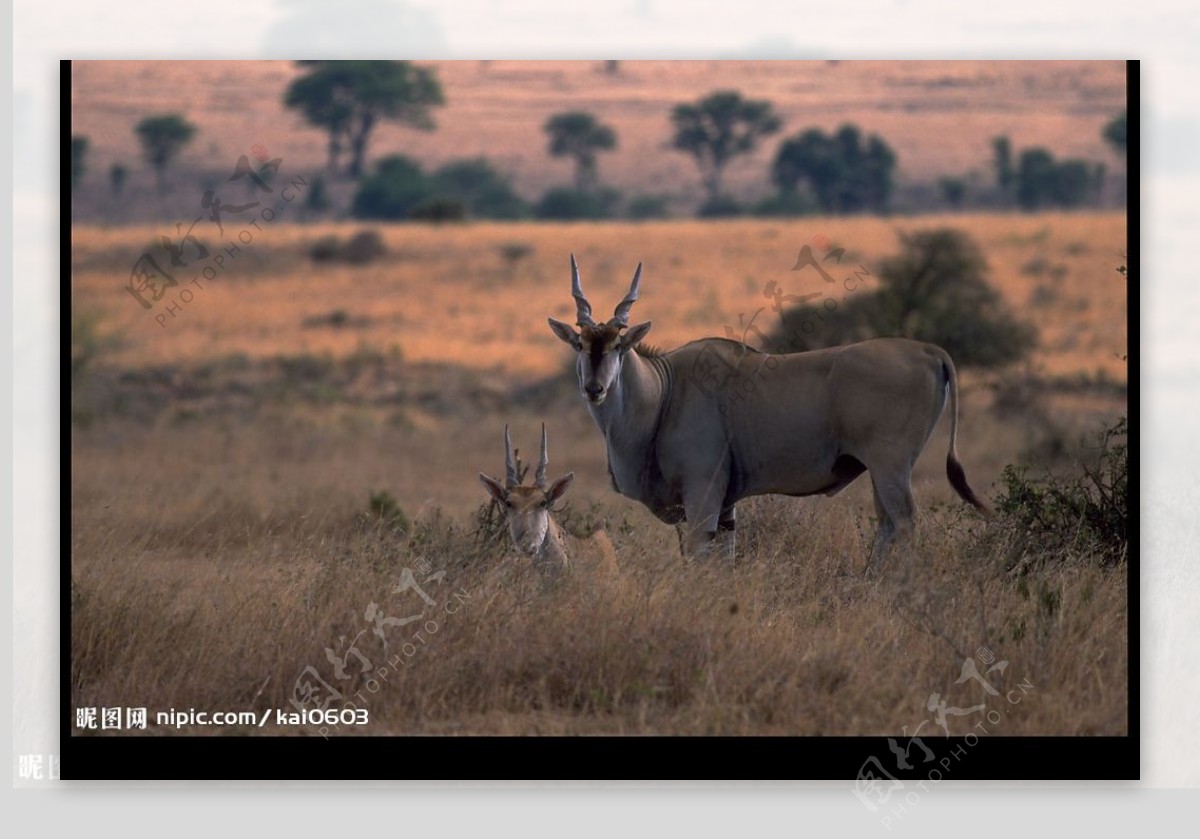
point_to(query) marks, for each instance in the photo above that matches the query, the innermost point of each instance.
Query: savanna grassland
(250, 478)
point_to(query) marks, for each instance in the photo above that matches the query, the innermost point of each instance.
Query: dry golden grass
(210, 567)
(448, 294)
(217, 500)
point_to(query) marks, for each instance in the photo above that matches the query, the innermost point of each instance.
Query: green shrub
(87, 343)
(317, 199)
(79, 151)
(514, 252)
(1116, 133)
(325, 249)
(642, 207)
(567, 204)
(481, 191)
(337, 319)
(462, 189)
(719, 206)
(117, 175)
(440, 210)
(393, 190)
(361, 248)
(846, 171)
(1043, 181)
(954, 191)
(784, 204)
(934, 290)
(1087, 512)
(385, 510)
(306, 369)
(364, 247)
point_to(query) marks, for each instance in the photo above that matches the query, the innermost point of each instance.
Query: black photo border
(607, 757)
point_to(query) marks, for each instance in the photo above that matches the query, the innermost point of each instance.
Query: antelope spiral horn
(621, 313)
(543, 462)
(510, 467)
(583, 313)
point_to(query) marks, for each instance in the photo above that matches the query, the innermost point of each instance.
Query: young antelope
(530, 523)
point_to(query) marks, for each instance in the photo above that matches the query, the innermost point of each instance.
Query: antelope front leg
(727, 534)
(700, 543)
(701, 524)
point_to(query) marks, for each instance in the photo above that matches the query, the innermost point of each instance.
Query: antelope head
(527, 508)
(600, 347)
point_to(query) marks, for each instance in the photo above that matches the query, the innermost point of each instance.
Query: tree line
(813, 171)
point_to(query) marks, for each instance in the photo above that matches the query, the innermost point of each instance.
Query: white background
(1164, 33)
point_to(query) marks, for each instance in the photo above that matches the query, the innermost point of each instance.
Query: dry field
(449, 294)
(222, 536)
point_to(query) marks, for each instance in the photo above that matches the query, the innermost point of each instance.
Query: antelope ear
(566, 333)
(558, 488)
(634, 334)
(495, 490)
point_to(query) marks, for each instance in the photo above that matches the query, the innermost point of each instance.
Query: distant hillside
(938, 116)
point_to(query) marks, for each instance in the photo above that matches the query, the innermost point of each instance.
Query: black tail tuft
(958, 480)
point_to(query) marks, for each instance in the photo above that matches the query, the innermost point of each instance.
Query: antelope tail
(954, 467)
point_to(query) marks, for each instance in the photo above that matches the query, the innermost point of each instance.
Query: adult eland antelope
(692, 431)
(531, 524)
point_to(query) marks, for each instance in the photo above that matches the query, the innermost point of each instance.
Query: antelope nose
(594, 390)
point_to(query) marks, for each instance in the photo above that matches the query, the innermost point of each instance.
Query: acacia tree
(162, 138)
(1035, 178)
(718, 128)
(116, 178)
(579, 135)
(1115, 133)
(1043, 181)
(349, 98)
(1002, 160)
(847, 173)
(79, 150)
